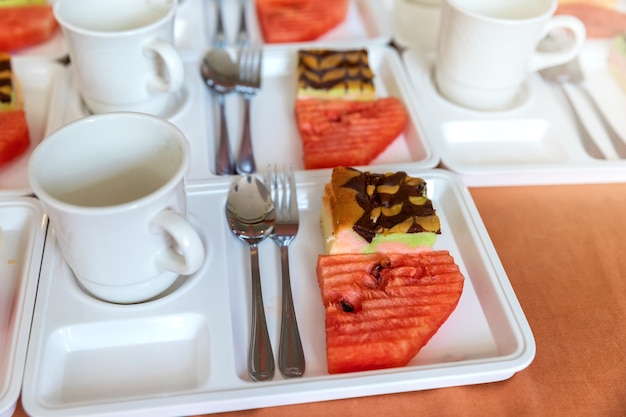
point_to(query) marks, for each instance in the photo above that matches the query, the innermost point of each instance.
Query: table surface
(561, 248)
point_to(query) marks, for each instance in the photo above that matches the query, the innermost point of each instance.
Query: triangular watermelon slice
(337, 132)
(381, 309)
(284, 21)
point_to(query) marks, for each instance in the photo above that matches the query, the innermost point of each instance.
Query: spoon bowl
(251, 216)
(220, 74)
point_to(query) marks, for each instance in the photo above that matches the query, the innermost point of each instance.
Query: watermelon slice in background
(284, 21)
(25, 25)
(381, 309)
(14, 135)
(346, 132)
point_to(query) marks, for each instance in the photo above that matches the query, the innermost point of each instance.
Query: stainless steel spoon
(220, 74)
(251, 215)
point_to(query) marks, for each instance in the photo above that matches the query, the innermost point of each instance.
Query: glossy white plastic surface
(185, 353)
(22, 234)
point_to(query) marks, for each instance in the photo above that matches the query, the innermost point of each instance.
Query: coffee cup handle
(172, 63)
(543, 60)
(189, 256)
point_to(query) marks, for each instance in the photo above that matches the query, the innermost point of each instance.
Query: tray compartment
(22, 232)
(113, 360)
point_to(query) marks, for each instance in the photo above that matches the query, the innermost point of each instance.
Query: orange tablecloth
(563, 248)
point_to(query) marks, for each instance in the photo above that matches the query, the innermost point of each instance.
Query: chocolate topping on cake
(322, 71)
(392, 203)
(6, 83)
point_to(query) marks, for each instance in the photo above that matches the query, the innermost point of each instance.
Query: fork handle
(587, 141)
(616, 140)
(245, 159)
(290, 353)
(223, 162)
(260, 356)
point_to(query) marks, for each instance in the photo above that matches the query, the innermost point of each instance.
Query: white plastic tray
(22, 233)
(274, 133)
(185, 353)
(533, 143)
(367, 22)
(37, 79)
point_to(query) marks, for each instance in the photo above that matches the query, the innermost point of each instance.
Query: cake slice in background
(328, 74)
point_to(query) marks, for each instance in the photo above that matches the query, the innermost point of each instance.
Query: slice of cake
(9, 97)
(328, 74)
(365, 212)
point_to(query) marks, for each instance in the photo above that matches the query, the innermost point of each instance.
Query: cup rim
(41, 149)
(509, 21)
(117, 33)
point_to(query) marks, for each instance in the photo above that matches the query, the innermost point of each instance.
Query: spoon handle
(223, 162)
(245, 160)
(260, 355)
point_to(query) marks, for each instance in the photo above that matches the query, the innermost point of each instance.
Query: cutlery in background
(220, 74)
(248, 85)
(282, 186)
(219, 39)
(570, 75)
(250, 213)
(242, 34)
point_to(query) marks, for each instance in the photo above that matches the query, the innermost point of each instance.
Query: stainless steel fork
(570, 74)
(291, 362)
(250, 60)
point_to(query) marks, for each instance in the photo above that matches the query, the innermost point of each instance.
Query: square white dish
(37, 79)
(368, 22)
(185, 353)
(275, 136)
(22, 234)
(534, 143)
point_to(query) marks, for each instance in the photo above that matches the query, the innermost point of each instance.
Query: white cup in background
(487, 48)
(122, 53)
(113, 187)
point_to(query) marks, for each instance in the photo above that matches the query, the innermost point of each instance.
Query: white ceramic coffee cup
(487, 48)
(113, 188)
(122, 53)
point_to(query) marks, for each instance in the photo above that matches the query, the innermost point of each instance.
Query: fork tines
(283, 190)
(250, 60)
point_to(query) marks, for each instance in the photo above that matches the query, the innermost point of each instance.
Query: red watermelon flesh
(23, 26)
(14, 135)
(345, 132)
(381, 309)
(284, 21)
